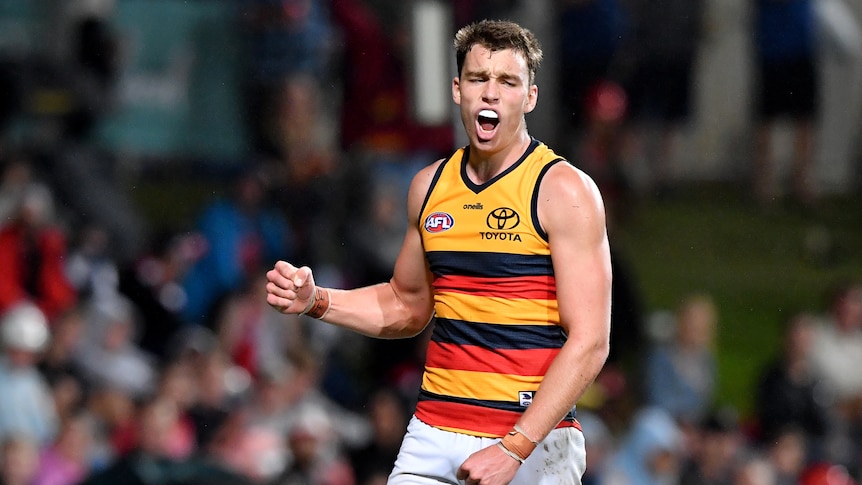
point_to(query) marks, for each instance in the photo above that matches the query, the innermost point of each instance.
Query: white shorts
(432, 456)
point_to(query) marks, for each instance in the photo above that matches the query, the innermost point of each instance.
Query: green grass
(760, 266)
(174, 203)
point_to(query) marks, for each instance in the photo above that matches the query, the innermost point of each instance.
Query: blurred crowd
(159, 362)
(653, 417)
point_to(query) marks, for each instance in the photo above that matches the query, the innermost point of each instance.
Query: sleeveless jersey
(496, 327)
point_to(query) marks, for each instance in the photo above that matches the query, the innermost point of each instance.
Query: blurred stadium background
(175, 132)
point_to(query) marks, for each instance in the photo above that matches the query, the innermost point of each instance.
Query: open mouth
(488, 120)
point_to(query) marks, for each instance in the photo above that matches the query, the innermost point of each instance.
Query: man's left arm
(572, 213)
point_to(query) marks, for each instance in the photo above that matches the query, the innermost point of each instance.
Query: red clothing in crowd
(32, 268)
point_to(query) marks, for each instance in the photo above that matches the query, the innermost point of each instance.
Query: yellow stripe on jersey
(459, 306)
(477, 385)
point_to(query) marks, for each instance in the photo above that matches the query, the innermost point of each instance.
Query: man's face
(494, 93)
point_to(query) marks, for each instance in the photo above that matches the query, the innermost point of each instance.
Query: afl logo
(503, 219)
(438, 222)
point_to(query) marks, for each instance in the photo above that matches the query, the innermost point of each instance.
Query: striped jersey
(496, 327)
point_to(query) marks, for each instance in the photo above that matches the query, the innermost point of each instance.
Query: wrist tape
(318, 305)
(518, 444)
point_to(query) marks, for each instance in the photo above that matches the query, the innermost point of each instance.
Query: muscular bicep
(572, 213)
(411, 280)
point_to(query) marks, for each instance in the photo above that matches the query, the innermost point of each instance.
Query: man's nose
(491, 91)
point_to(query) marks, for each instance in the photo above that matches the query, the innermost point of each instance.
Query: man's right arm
(401, 307)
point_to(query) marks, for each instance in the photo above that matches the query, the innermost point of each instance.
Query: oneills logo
(438, 222)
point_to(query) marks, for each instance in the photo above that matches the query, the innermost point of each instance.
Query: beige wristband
(506, 451)
(519, 429)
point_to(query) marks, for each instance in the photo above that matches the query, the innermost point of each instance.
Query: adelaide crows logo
(438, 222)
(503, 219)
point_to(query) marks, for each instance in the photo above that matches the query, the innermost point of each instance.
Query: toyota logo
(503, 219)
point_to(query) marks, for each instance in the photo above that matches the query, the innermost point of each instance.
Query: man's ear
(532, 99)
(456, 90)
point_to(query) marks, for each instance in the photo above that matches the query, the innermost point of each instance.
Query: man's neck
(484, 166)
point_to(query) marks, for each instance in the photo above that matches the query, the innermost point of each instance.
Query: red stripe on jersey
(470, 418)
(532, 362)
(466, 417)
(523, 287)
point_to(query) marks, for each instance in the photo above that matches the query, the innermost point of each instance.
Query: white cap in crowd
(24, 327)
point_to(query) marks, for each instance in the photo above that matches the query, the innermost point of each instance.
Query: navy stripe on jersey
(432, 185)
(490, 265)
(534, 203)
(495, 336)
(501, 405)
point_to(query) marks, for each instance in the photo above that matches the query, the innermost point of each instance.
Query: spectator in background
(837, 350)
(755, 469)
(95, 54)
(836, 358)
(383, 141)
(376, 110)
(32, 255)
(283, 39)
(681, 374)
(219, 391)
(650, 452)
(388, 416)
(256, 452)
(308, 168)
(303, 391)
(241, 233)
(788, 454)
(90, 265)
(19, 460)
(253, 334)
(717, 445)
(591, 32)
(151, 460)
(110, 356)
(17, 176)
(153, 283)
(317, 457)
(69, 458)
(59, 365)
(290, 87)
(600, 443)
(787, 392)
(827, 474)
(177, 385)
(26, 408)
(114, 416)
(601, 152)
(663, 47)
(787, 87)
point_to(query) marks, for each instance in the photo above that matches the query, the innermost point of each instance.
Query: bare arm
(572, 213)
(399, 308)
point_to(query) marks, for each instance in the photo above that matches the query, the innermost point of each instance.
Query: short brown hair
(498, 35)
